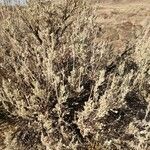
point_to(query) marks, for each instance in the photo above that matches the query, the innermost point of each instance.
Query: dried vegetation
(62, 89)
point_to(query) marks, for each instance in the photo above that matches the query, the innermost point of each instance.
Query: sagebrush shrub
(61, 89)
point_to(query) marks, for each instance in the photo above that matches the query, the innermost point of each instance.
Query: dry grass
(63, 86)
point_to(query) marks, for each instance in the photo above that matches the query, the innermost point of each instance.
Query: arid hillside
(122, 21)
